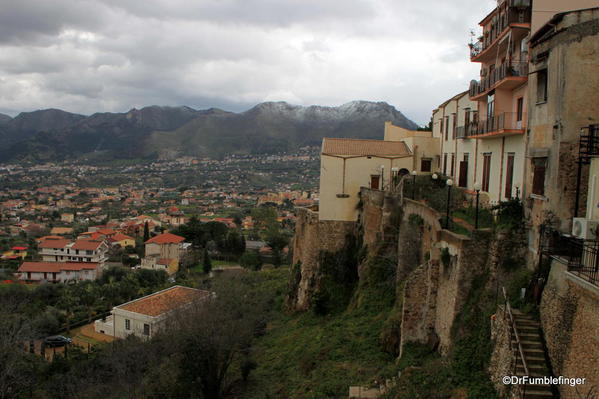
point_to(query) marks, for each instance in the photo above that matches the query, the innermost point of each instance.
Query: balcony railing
(464, 132)
(508, 12)
(589, 141)
(581, 256)
(503, 121)
(505, 70)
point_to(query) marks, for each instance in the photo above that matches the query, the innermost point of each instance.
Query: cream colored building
(348, 164)
(145, 316)
(452, 125)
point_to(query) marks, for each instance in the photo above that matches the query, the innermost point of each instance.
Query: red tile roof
(87, 245)
(55, 267)
(166, 238)
(336, 146)
(164, 301)
(54, 243)
(19, 248)
(106, 232)
(120, 237)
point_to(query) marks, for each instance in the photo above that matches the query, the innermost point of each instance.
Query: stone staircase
(529, 331)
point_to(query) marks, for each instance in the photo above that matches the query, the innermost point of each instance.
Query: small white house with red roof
(145, 316)
(58, 272)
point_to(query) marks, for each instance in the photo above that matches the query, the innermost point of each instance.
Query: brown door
(486, 171)
(463, 174)
(374, 181)
(509, 175)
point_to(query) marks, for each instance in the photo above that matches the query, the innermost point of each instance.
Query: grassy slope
(309, 356)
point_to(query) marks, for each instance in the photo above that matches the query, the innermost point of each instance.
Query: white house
(144, 316)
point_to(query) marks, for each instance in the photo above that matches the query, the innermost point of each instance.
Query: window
(127, 324)
(538, 179)
(542, 86)
(455, 126)
(374, 181)
(519, 109)
(452, 164)
(446, 128)
(490, 106)
(486, 171)
(146, 329)
(426, 164)
(509, 174)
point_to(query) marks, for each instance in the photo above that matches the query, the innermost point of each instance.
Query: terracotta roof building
(166, 238)
(358, 147)
(144, 316)
(58, 272)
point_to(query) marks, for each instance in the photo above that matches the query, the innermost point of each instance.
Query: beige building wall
(171, 251)
(137, 322)
(572, 65)
(544, 10)
(451, 145)
(341, 179)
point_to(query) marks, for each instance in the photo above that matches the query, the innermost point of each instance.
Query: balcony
(589, 142)
(581, 256)
(508, 76)
(504, 124)
(507, 13)
(467, 131)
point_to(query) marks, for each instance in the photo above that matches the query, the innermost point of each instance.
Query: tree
(146, 231)
(214, 335)
(207, 263)
(251, 260)
(276, 240)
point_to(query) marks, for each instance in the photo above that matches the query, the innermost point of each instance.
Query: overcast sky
(89, 56)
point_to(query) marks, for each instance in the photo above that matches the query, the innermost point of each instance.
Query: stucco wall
(137, 322)
(355, 174)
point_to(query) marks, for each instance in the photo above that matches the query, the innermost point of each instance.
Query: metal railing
(464, 132)
(496, 123)
(580, 256)
(589, 141)
(514, 334)
(508, 12)
(505, 70)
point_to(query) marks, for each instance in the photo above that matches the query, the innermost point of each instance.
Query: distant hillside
(4, 119)
(167, 132)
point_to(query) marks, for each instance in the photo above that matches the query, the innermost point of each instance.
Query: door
(374, 181)
(463, 182)
(509, 175)
(486, 171)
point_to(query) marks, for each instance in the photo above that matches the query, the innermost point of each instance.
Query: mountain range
(158, 132)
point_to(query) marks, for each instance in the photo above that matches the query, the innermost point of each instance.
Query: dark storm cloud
(111, 55)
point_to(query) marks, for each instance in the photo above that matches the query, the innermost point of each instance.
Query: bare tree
(16, 365)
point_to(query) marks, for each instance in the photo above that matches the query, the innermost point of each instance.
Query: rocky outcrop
(312, 239)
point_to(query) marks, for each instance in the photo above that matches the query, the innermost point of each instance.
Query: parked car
(56, 341)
